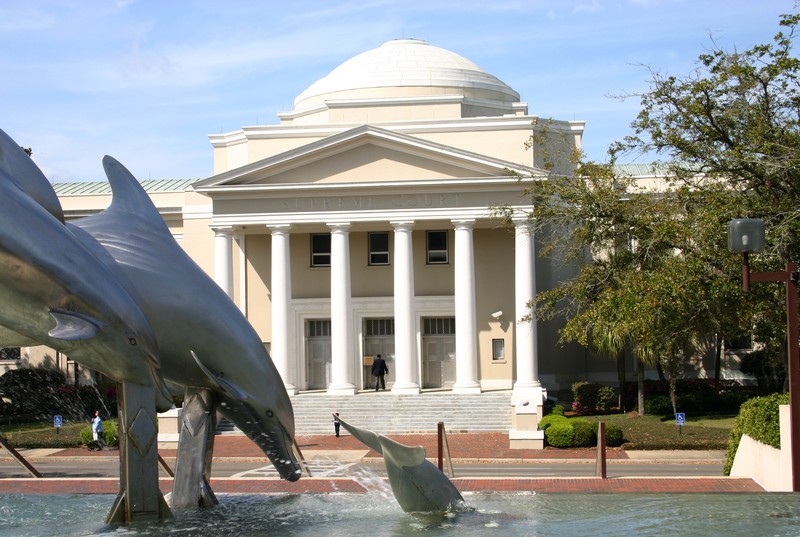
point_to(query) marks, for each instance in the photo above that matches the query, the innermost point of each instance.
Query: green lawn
(645, 432)
(43, 434)
(654, 432)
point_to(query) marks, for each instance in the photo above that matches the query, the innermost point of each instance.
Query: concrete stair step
(385, 413)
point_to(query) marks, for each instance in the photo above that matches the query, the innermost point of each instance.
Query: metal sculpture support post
(747, 236)
(198, 421)
(139, 497)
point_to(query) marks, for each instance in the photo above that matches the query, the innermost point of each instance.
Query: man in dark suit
(379, 369)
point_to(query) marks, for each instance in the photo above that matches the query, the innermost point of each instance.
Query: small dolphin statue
(418, 485)
(204, 339)
(55, 292)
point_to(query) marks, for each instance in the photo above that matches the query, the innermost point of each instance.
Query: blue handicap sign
(57, 422)
(680, 418)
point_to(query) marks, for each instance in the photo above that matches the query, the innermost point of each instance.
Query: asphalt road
(109, 467)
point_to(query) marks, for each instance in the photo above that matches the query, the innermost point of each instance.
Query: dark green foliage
(33, 392)
(590, 398)
(695, 396)
(759, 419)
(39, 393)
(560, 435)
(552, 419)
(606, 399)
(614, 436)
(585, 433)
(659, 405)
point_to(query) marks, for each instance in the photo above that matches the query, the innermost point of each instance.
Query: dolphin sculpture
(55, 292)
(204, 339)
(418, 485)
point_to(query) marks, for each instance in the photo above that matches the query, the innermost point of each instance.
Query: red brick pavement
(484, 446)
(489, 446)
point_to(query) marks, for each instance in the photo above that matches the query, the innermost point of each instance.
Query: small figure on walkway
(336, 424)
(379, 370)
(97, 431)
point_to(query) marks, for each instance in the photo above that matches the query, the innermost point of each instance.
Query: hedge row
(562, 432)
(759, 418)
(693, 395)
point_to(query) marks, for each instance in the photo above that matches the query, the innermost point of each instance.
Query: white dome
(407, 63)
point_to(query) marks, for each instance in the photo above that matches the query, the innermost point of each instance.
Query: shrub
(606, 399)
(759, 419)
(585, 433)
(658, 405)
(590, 398)
(614, 436)
(551, 419)
(557, 410)
(584, 397)
(560, 435)
(35, 393)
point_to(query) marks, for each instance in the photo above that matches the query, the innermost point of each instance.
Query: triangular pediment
(365, 154)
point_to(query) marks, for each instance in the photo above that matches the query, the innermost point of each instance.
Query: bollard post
(439, 435)
(600, 468)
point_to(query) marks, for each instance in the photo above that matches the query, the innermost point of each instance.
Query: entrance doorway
(318, 354)
(378, 339)
(438, 352)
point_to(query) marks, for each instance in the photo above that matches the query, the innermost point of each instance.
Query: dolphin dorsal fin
(129, 196)
(27, 176)
(71, 326)
(219, 381)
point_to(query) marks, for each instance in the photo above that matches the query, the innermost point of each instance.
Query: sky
(146, 81)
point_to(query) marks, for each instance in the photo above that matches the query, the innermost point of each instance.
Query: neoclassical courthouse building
(360, 224)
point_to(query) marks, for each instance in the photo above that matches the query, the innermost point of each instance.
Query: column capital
(402, 225)
(279, 228)
(338, 226)
(464, 223)
(222, 230)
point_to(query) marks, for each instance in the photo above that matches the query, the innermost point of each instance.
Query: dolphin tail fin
(219, 381)
(368, 438)
(400, 454)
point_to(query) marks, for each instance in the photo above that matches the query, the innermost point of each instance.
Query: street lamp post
(746, 236)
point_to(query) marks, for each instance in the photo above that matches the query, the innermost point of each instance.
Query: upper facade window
(379, 248)
(437, 248)
(321, 250)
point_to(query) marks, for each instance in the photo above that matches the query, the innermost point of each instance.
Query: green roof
(650, 169)
(84, 188)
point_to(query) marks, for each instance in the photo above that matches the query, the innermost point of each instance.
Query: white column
(241, 243)
(281, 294)
(223, 259)
(405, 329)
(341, 313)
(527, 387)
(466, 329)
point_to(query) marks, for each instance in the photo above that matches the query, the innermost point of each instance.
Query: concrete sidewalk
(464, 448)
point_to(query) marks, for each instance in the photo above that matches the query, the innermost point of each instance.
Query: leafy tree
(655, 275)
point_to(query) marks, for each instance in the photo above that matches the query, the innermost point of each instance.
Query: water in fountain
(499, 514)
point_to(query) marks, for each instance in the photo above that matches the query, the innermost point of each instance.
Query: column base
(344, 389)
(468, 389)
(291, 389)
(406, 389)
